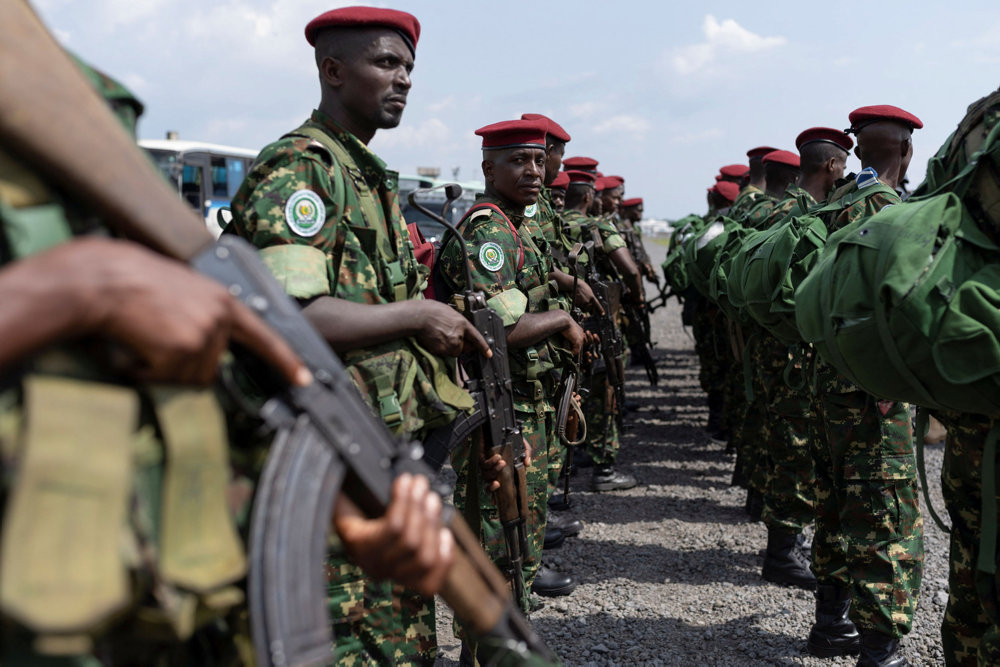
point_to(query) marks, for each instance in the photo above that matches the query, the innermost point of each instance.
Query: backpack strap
(483, 209)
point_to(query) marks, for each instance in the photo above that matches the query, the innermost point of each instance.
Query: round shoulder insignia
(530, 211)
(305, 213)
(491, 256)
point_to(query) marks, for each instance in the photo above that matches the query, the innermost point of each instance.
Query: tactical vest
(111, 484)
(409, 388)
(674, 271)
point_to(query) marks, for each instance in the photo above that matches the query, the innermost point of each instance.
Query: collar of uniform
(369, 163)
(514, 214)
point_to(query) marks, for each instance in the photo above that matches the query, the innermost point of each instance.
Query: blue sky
(661, 93)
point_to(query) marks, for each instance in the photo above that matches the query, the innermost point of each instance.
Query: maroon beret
(718, 177)
(866, 115)
(727, 189)
(580, 163)
(555, 129)
(577, 176)
(634, 201)
(760, 151)
(405, 24)
(613, 181)
(560, 181)
(826, 135)
(601, 184)
(786, 158)
(514, 134)
(734, 170)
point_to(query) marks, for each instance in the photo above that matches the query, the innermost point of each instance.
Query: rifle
(568, 425)
(490, 386)
(612, 346)
(327, 439)
(636, 318)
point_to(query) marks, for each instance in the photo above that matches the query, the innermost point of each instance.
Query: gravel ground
(669, 572)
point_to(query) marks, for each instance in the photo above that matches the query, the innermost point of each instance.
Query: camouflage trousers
(711, 364)
(539, 430)
(750, 405)
(790, 486)
(603, 441)
(869, 531)
(377, 623)
(970, 631)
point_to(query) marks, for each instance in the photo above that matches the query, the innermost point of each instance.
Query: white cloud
(721, 39)
(686, 138)
(429, 133)
(444, 104)
(586, 109)
(624, 124)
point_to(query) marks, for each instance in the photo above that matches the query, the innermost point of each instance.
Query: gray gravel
(669, 571)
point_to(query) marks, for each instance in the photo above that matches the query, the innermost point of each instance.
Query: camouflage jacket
(324, 210)
(509, 259)
(790, 205)
(745, 200)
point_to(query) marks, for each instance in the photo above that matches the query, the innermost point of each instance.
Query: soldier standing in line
(869, 532)
(756, 181)
(70, 293)
(509, 261)
(324, 211)
(557, 191)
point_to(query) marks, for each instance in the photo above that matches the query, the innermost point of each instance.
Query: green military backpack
(701, 250)
(907, 302)
(720, 280)
(673, 266)
(771, 266)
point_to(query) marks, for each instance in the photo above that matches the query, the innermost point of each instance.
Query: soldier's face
(596, 207)
(558, 198)
(611, 198)
(516, 174)
(634, 213)
(375, 83)
(553, 160)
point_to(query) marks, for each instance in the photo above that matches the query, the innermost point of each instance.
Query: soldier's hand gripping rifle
(636, 316)
(327, 442)
(612, 345)
(570, 420)
(489, 383)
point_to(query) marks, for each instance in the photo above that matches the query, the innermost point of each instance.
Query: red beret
(514, 134)
(787, 158)
(760, 151)
(825, 134)
(727, 189)
(734, 170)
(634, 201)
(555, 129)
(613, 181)
(865, 115)
(405, 24)
(601, 184)
(580, 163)
(576, 176)
(560, 181)
(718, 177)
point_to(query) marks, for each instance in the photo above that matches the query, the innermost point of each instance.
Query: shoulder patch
(305, 213)
(491, 256)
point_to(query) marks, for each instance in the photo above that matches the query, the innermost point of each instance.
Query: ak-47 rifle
(569, 416)
(636, 317)
(327, 440)
(490, 385)
(608, 294)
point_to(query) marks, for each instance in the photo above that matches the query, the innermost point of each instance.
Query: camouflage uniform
(745, 200)
(869, 531)
(970, 630)
(128, 481)
(510, 262)
(789, 494)
(603, 439)
(324, 211)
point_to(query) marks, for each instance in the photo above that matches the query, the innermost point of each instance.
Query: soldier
(557, 191)
(509, 261)
(96, 442)
(611, 257)
(756, 183)
(868, 547)
(324, 211)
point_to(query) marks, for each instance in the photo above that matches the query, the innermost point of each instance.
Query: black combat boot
(606, 478)
(754, 504)
(878, 650)
(569, 526)
(550, 583)
(833, 633)
(784, 563)
(714, 425)
(553, 537)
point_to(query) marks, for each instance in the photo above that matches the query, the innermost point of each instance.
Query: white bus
(206, 175)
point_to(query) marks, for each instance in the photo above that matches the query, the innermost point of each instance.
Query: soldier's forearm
(533, 328)
(347, 325)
